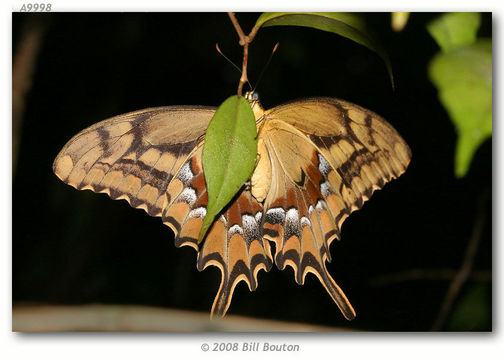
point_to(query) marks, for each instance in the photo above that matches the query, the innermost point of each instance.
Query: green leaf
(463, 78)
(472, 312)
(454, 30)
(348, 25)
(229, 155)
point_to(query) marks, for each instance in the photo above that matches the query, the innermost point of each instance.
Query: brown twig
(465, 270)
(238, 28)
(253, 33)
(245, 41)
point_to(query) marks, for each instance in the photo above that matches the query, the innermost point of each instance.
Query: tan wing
(152, 159)
(134, 156)
(326, 158)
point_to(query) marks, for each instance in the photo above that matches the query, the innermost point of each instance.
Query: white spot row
(198, 213)
(321, 205)
(292, 216)
(235, 229)
(305, 222)
(278, 214)
(324, 166)
(188, 195)
(185, 174)
(325, 188)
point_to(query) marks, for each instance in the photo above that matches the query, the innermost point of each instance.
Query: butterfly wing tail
(235, 246)
(224, 295)
(336, 294)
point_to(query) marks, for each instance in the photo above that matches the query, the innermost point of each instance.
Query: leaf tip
(207, 222)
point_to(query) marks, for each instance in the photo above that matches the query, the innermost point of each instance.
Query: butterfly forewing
(128, 158)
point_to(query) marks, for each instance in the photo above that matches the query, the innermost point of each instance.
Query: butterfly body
(318, 160)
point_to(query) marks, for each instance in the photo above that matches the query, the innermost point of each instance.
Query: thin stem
(244, 41)
(253, 33)
(238, 28)
(465, 269)
(243, 78)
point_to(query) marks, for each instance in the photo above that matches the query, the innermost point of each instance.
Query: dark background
(77, 247)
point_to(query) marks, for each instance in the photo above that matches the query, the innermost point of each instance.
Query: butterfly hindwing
(327, 158)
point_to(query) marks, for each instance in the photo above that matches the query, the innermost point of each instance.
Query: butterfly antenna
(225, 57)
(266, 66)
(232, 63)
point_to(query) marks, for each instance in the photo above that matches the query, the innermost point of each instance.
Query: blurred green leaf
(463, 77)
(472, 312)
(351, 26)
(454, 30)
(229, 155)
(399, 20)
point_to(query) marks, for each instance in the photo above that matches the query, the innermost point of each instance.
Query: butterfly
(319, 159)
